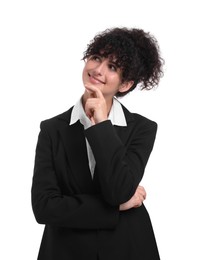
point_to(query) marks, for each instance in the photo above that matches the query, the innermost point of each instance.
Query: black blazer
(81, 215)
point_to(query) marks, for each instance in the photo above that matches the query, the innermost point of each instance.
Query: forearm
(120, 166)
(80, 211)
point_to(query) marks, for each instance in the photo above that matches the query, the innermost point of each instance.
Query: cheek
(115, 80)
(84, 74)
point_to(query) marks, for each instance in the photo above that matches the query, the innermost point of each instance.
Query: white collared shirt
(116, 116)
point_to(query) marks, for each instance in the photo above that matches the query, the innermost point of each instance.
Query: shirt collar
(116, 114)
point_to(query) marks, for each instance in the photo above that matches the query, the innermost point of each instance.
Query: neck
(109, 105)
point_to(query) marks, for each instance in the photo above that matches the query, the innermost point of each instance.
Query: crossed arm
(87, 211)
(82, 211)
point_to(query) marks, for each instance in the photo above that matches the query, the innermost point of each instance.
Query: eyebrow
(108, 57)
(113, 63)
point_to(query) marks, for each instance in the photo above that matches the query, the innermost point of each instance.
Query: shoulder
(137, 119)
(57, 120)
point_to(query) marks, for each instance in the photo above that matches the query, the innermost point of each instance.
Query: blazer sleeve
(120, 166)
(50, 206)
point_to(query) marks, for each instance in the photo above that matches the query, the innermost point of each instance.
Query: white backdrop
(41, 46)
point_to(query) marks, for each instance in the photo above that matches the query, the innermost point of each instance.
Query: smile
(95, 80)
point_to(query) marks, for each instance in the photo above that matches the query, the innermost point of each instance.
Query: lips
(95, 80)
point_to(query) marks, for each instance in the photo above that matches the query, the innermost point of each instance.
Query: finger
(138, 202)
(95, 91)
(90, 107)
(140, 195)
(142, 191)
(140, 199)
(91, 104)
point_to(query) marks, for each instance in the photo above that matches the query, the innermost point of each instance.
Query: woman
(90, 159)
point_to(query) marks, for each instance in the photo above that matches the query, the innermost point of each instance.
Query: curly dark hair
(136, 53)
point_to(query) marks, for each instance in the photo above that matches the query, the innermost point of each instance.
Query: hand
(136, 200)
(95, 105)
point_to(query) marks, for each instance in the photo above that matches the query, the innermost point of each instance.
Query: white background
(41, 46)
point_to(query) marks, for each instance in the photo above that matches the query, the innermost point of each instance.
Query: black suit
(81, 214)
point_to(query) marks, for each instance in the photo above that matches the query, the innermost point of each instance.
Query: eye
(112, 67)
(95, 57)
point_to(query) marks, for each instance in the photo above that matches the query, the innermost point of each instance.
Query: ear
(126, 86)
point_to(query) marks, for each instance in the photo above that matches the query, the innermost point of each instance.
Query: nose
(100, 69)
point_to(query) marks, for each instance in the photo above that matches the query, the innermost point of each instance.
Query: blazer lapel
(75, 147)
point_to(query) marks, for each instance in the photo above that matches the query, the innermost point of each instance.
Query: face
(102, 73)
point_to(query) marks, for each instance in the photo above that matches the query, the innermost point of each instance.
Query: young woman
(90, 159)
